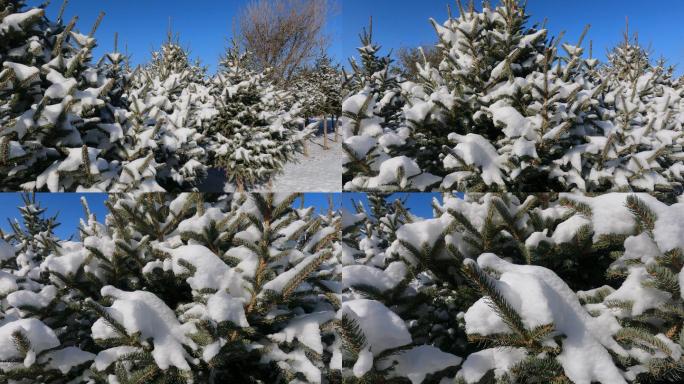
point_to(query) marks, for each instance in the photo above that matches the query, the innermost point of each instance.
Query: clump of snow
(641, 296)
(280, 282)
(30, 299)
(356, 275)
(418, 362)
(8, 283)
(296, 361)
(21, 71)
(199, 223)
(382, 327)
(498, 359)
(542, 298)
(515, 125)
(72, 257)
(210, 271)
(6, 251)
(223, 307)
(39, 335)
(364, 363)
(147, 314)
(66, 358)
(306, 329)
(419, 234)
(477, 151)
(107, 357)
(17, 21)
(389, 172)
(611, 216)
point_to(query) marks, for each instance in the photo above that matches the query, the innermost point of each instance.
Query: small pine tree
(439, 283)
(505, 110)
(372, 107)
(42, 327)
(190, 288)
(165, 142)
(255, 131)
(49, 91)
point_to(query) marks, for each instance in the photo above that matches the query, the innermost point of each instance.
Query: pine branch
(645, 217)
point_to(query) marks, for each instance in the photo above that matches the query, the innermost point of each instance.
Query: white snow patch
(382, 327)
(105, 358)
(418, 362)
(356, 275)
(478, 151)
(67, 358)
(306, 329)
(147, 314)
(498, 359)
(223, 307)
(6, 251)
(541, 297)
(39, 335)
(321, 171)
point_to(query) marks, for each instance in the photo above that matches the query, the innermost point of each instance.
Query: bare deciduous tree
(285, 35)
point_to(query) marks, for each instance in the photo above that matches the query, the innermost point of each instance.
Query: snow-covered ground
(320, 171)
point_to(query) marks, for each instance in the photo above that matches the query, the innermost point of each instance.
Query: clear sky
(66, 205)
(420, 204)
(400, 23)
(70, 211)
(204, 26)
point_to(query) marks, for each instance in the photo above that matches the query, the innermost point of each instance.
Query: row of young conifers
(262, 288)
(499, 105)
(70, 123)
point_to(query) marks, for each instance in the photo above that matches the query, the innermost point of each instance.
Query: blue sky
(205, 26)
(70, 211)
(66, 205)
(419, 204)
(400, 23)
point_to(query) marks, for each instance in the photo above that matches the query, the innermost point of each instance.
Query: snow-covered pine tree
(244, 287)
(546, 313)
(33, 237)
(329, 78)
(387, 323)
(523, 116)
(255, 127)
(114, 114)
(509, 100)
(318, 89)
(371, 125)
(308, 93)
(648, 300)
(165, 140)
(639, 147)
(41, 322)
(190, 288)
(50, 97)
(520, 98)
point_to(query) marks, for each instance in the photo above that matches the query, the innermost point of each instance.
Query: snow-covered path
(320, 172)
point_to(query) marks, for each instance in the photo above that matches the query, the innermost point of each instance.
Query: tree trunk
(336, 128)
(325, 132)
(240, 185)
(305, 148)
